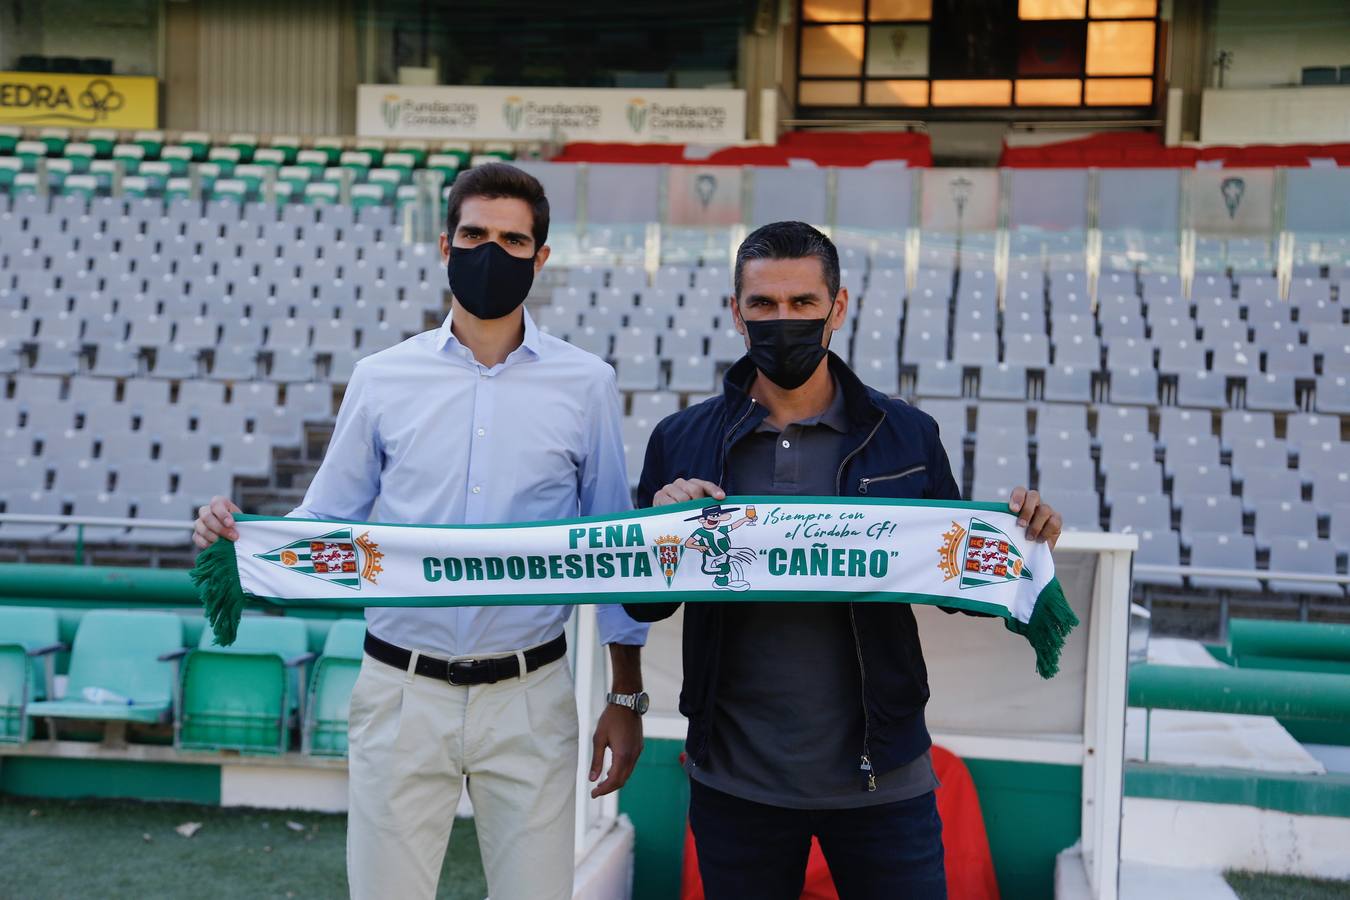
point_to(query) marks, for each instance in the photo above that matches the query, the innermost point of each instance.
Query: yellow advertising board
(75, 101)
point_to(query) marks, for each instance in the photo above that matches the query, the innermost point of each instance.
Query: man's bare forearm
(626, 662)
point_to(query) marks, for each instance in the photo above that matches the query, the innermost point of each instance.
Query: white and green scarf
(970, 556)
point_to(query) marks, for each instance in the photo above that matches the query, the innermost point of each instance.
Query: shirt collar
(834, 417)
(446, 340)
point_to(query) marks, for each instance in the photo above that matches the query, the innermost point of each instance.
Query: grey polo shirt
(787, 728)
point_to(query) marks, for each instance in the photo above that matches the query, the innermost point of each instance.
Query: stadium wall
(286, 68)
(1271, 43)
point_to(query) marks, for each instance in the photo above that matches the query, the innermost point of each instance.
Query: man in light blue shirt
(483, 420)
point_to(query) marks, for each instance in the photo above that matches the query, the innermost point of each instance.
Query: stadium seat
(132, 655)
(330, 689)
(1158, 548)
(1304, 555)
(28, 639)
(245, 696)
(1223, 551)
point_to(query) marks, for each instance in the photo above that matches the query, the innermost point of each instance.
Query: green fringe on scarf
(1051, 622)
(216, 575)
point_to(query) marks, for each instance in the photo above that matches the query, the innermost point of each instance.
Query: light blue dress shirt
(428, 435)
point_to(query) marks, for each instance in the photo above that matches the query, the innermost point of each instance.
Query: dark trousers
(749, 851)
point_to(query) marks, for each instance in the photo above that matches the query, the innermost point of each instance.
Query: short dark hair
(789, 240)
(493, 180)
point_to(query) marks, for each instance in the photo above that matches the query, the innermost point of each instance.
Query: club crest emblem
(334, 557)
(980, 555)
(668, 551)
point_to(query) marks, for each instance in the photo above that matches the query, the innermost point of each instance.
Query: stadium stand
(1176, 407)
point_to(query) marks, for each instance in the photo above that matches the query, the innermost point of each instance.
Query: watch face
(643, 701)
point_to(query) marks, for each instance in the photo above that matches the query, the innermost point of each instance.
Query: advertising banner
(569, 114)
(78, 101)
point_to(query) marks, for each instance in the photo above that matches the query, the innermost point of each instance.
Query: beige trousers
(414, 740)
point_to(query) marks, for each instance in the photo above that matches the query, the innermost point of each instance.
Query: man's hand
(214, 521)
(620, 730)
(684, 489)
(1036, 516)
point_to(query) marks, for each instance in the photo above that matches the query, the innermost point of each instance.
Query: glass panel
(882, 10)
(878, 197)
(782, 194)
(1053, 199)
(832, 10)
(896, 93)
(1051, 9)
(1051, 48)
(1049, 92)
(1120, 48)
(832, 50)
(1118, 92)
(828, 93)
(1122, 9)
(897, 50)
(972, 93)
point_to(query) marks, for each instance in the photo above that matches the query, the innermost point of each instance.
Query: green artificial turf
(1259, 886)
(96, 848)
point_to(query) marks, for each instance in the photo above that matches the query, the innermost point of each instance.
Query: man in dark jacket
(806, 719)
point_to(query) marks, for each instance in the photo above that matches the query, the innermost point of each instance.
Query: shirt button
(481, 432)
(477, 489)
(787, 445)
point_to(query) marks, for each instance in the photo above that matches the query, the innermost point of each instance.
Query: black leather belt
(467, 671)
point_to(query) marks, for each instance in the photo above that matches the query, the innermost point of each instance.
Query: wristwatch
(638, 702)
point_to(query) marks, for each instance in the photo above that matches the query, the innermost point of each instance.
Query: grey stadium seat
(1305, 555)
(1284, 517)
(1158, 548)
(938, 378)
(1141, 512)
(1201, 389)
(1271, 392)
(1310, 428)
(1254, 454)
(1207, 513)
(1224, 551)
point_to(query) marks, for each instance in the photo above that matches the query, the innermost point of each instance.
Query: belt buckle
(450, 671)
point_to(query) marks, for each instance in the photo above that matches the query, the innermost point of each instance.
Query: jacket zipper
(865, 766)
(863, 483)
(721, 475)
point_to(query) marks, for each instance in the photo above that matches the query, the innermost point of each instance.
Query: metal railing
(80, 523)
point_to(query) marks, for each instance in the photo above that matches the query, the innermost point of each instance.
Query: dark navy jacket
(892, 450)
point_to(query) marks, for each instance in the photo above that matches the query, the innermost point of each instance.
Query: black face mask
(487, 281)
(787, 351)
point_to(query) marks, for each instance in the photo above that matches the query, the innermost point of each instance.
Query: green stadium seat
(103, 139)
(463, 152)
(197, 141)
(10, 136)
(135, 186)
(447, 164)
(232, 189)
(330, 689)
(132, 654)
(331, 148)
(416, 149)
(364, 195)
(322, 193)
(243, 697)
(253, 176)
(269, 156)
(372, 148)
(298, 177)
(152, 142)
(401, 161)
(314, 160)
(131, 156)
(81, 154)
(177, 157)
(156, 174)
(30, 152)
(55, 139)
(289, 147)
(358, 161)
(29, 636)
(245, 144)
(24, 183)
(178, 189)
(81, 185)
(392, 178)
(103, 171)
(10, 166)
